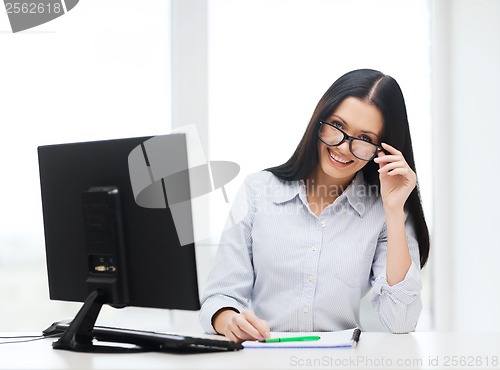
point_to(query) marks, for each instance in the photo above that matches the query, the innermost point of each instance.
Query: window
(102, 71)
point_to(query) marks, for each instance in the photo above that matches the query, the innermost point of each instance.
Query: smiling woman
(359, 239)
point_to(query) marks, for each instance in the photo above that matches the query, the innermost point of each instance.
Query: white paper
(337, 339)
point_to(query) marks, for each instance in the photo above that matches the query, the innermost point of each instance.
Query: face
(359, 119)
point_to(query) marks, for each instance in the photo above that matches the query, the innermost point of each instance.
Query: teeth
(337, 158)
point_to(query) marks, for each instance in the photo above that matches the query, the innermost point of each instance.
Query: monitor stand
(79, 335)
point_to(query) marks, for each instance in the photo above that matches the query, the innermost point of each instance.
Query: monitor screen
(100, 241)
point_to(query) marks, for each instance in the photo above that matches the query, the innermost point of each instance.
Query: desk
(419, 350)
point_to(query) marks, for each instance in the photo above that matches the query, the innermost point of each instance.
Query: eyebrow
(362, 131)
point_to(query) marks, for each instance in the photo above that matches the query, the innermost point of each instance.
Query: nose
(344, 148)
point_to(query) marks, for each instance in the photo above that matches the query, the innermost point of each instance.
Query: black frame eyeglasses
(359, 148)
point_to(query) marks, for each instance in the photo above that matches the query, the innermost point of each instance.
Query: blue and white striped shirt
(301, 272)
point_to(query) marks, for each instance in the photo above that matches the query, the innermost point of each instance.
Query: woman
(341, 216)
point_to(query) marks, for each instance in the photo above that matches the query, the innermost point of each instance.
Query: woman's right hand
(239, 327)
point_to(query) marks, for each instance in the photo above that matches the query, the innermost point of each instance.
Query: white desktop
(375, 350)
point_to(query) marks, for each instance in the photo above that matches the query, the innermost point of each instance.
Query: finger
(231, 336)
(405, 174)
(391, 166)
(399, 171)
(233, 332)
(231, 328)
(243, 329)
(390, 149)
(261, 325)
(388, 158)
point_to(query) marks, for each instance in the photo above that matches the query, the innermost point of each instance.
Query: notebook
(338, 339)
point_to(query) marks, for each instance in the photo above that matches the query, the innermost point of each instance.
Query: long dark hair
(384, 92)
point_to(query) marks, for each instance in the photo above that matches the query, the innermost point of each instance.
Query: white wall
(466, 248)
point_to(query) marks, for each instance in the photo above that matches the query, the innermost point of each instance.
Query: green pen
(290, 339)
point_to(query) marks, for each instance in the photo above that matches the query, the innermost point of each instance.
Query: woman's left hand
(397, 179)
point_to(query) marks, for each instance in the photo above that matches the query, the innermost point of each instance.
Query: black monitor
(104, 248)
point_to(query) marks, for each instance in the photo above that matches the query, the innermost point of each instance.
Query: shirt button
(306, 309)
(310, 278)
(314, 248)
(323, 224)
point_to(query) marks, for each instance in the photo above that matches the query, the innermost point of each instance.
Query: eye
(366, 138)
(337, 124)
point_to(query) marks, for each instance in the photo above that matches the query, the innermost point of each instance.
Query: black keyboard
(154, 341)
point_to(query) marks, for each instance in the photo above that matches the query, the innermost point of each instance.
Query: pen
(355, 337)
(289, 339)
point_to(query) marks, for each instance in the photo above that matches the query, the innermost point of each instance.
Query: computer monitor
(101, 246)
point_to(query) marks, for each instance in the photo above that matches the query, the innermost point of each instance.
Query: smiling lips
(338, 161)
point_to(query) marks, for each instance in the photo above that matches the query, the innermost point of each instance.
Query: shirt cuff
(406, 291)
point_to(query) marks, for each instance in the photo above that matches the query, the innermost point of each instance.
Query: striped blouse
(303, 272)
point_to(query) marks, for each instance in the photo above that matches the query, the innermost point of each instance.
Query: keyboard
(160, 342)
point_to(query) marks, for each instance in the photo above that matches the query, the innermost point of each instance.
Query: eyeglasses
(333, 136)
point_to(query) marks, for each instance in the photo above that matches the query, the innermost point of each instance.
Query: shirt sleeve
(398, 306)
(231, 278)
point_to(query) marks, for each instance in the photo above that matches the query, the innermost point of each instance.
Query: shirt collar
(356, 193)
(286, 191)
